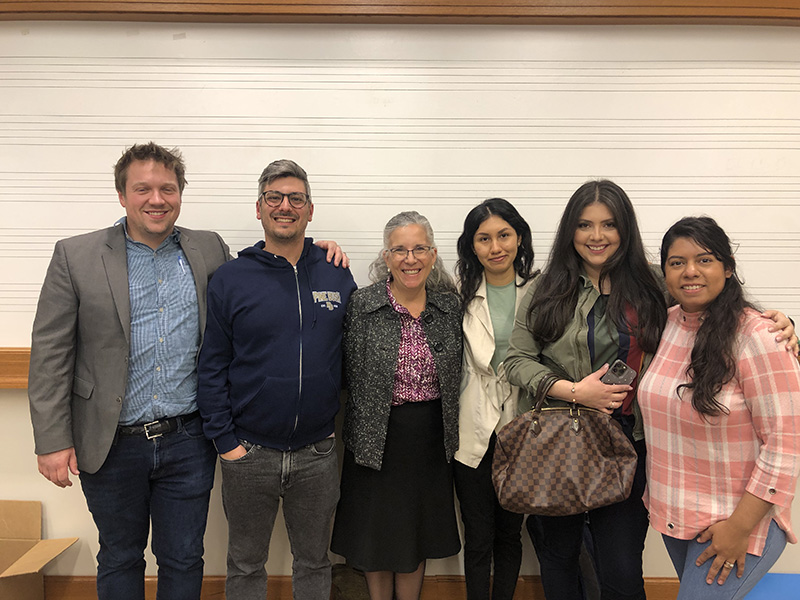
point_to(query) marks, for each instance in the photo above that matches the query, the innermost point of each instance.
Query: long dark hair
(713, 361)
(469, 269)
(635, 291)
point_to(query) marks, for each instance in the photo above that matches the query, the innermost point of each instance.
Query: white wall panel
(436, 118)
(687, 119)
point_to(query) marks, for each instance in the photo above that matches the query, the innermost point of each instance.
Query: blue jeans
(252, 486)
(165, 481)
(684, 553)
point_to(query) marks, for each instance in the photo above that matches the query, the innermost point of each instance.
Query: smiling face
(152, 201)
(694, 276)
(596, 238)
(495, 243)
(284, 223)
(409, 272)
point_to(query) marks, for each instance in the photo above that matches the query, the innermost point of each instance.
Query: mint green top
(502, 304)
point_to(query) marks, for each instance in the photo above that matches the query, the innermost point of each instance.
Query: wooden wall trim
(436, 587)
(14, 368)
(764, 12)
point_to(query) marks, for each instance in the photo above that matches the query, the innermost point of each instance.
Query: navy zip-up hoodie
(271, 362)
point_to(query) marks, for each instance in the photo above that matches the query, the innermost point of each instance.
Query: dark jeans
(490, 532)
(307, 479)
(618, 534)
(165, 481)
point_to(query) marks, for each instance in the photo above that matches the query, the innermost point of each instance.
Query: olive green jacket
(528, 361)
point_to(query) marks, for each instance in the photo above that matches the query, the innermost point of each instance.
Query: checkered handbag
(561, 461)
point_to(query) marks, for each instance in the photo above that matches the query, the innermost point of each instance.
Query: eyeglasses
(273, 198)
(417, 251)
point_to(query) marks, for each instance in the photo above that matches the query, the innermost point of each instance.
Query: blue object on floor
(776, 586)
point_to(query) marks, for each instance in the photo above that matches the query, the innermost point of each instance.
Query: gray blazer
(81, 339)
(371, 344)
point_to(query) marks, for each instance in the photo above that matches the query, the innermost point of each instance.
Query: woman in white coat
(495, 266)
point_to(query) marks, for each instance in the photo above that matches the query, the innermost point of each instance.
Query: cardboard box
(23, 553)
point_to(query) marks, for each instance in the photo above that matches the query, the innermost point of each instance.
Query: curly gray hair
(438, 280)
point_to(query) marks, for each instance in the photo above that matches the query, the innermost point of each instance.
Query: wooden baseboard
(85, 588)
(529, 587)
(436, 587)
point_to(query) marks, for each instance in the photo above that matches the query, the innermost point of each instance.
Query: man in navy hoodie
(270, 374)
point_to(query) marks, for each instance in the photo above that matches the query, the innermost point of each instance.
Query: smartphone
(619, 374)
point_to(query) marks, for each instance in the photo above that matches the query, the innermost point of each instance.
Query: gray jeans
(308, 481)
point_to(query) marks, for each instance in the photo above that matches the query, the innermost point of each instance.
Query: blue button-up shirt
(165, 333)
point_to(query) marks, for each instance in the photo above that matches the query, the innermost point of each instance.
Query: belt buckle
(148, 435)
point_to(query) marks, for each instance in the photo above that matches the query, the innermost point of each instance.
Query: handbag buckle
(536, 427)
(575, 416)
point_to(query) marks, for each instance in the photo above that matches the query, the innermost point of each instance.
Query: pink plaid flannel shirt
(697, 469)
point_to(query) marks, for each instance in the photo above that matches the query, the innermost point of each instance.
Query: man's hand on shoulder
(56, 466)
(335, 253)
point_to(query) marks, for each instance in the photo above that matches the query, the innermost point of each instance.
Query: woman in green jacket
(596, 301)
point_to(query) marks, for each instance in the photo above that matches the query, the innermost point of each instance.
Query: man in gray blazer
(113, 379)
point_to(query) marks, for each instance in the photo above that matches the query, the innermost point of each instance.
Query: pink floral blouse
(415, 378)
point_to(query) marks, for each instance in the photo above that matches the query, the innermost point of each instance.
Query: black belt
(158, 428)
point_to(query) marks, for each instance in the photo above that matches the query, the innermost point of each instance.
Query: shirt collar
(393, 301)
(587, 283)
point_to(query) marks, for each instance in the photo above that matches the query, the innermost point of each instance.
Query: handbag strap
(545, 383)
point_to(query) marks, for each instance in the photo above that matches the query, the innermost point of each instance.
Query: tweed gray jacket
(371, 344)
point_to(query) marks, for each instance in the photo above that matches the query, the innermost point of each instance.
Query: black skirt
(393, 519)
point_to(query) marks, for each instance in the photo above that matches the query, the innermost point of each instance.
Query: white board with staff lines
(688, 119)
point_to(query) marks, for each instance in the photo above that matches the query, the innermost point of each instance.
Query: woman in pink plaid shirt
(721, 408)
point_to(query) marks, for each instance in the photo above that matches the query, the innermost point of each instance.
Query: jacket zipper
(300, 379)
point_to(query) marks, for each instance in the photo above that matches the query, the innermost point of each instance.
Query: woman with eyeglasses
(402, 354)
(494, 269)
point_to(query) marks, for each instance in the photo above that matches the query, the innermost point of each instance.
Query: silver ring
(728, 564)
